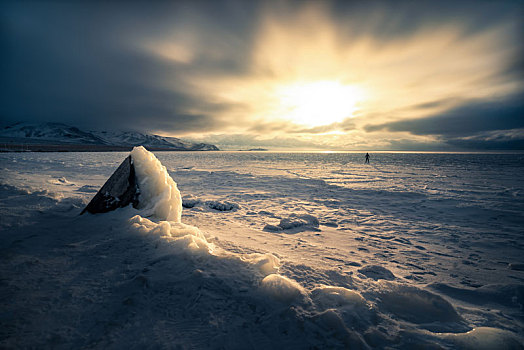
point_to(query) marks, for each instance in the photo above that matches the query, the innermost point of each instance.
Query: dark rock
(120, 190)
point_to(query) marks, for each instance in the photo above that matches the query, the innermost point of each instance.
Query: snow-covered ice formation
(159, 194)
(157, 276)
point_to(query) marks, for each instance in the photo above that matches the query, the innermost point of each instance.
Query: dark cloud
(397, 19)
(487, 145)
(414, 145)
(475, 125)
(464, 120)
(490, 140)
(83, 63)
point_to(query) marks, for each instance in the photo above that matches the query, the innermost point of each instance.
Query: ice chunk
(329, 296)
(159, 194)
(63, 180)
(295, 222)
(222, 206)
(87, 189)
(189, 201)
(265, 263)
(281, 288)
(329, 223)
(180, 236)
(186, 238)
(272, 228)
(377, 272)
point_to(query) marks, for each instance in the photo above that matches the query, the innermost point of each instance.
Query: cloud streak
(469, 125)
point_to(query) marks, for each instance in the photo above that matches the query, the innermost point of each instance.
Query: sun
(318, 103)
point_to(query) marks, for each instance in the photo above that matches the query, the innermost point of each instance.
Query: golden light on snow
(318, 103)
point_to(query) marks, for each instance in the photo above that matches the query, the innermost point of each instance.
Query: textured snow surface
(414, 251)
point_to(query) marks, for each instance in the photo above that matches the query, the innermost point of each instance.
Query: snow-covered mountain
(56, 132)
(129, 138)
(59, 133)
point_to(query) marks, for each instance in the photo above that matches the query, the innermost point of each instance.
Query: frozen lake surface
(310, 250)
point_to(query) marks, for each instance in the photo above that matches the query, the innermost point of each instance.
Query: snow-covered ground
(282, 250)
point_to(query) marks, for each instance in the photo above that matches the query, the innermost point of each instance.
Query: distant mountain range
(58, 136)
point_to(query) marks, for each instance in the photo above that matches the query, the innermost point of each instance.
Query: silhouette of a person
(367, 159)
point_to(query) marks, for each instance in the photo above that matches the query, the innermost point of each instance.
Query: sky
(325, 75)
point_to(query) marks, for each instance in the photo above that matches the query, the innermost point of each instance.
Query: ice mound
(190, 201)
(222, 206)
(265, 263)
(329, 297)
(159, 194)
(179, 235)
(332, 323)
(295, 222)
(87, 189)
(510, 295)
(484, 338)
(272, 228)
(62, 180)
(377, 272)
(419, 306)
(282, 288)
(159, 197)
(175, 237)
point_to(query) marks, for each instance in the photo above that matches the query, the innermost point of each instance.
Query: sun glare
(318, 103)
